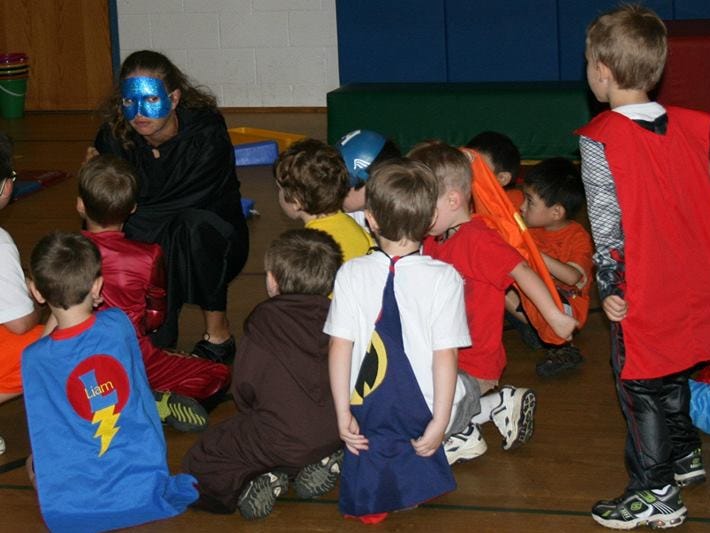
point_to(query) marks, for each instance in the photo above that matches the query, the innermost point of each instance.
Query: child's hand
(350, 434)
(563, 325)
(430, 441)
(615, 308)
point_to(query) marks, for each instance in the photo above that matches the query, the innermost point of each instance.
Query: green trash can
(14, 72)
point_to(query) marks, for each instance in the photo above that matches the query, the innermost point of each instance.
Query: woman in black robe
(188, 198)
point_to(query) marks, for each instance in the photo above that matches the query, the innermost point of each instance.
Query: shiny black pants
(659, 429)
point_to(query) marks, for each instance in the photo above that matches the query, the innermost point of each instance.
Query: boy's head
(65, 269)
(553, 192)
(312, 179)
(401, 200)
(453, 176)
(362, 151)
(499, 153)
(302, 261)
(631, 42)
(107, 190)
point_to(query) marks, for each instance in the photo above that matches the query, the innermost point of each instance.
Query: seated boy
(503, 158)
(489, 266)
(18, 316)
(134, 282)
(98, 449)
(362, 151)
(285, 418)
(313, 183)
(396, 321)
(554, 193)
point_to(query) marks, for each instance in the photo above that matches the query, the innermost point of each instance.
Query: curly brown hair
(313, 174)
(148, 61)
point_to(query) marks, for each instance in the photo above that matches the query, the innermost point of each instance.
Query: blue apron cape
(390, 410)
(97, 443)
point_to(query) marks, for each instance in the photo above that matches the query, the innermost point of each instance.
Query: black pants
(659, 429)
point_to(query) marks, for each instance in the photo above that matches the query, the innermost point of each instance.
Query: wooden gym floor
(575, 457)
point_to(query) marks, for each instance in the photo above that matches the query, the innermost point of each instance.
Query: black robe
(189, 203)
(286, 417)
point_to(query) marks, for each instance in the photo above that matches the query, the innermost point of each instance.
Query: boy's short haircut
(64, 267)
(108, 188)
(631, 42)
(557, 181)
(313, 174)
(450, 166)
(304, 261)
(401, 196)
(500, 148)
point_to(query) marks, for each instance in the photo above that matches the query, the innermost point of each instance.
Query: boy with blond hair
(489, 266)
(645, 171)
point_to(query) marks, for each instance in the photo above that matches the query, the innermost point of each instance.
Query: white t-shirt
(429, 295)
(15, 301)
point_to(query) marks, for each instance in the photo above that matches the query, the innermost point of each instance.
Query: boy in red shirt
(553, 194)
(135, 283)
(645, 171)
(489, 267)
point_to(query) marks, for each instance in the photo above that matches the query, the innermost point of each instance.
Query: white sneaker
(2, 446)
(515, 416)
(466, 445)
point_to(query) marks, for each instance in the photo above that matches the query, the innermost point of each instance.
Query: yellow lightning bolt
(107, 426)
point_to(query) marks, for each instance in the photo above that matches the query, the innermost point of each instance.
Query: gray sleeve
(604, 216)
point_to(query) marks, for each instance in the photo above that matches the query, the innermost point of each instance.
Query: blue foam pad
(256, 153)
(22, 188)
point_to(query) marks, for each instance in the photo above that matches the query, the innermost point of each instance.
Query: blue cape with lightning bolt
(98, 447)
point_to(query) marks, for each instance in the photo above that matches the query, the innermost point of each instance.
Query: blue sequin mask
(146, 96)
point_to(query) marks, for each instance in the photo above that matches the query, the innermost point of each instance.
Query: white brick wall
(251, 53)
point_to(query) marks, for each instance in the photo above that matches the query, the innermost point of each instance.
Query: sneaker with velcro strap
(656, 508)
(689, 470)
(180, 412)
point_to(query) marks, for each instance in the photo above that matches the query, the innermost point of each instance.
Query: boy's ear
(36, 294)
(96, 287)
(135, 206)
(80, 208)
(504, 177)
(604, 72)
(175, 98)
(272, 286)
(559, 212)
(371, 222)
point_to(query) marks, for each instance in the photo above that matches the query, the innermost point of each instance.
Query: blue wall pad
(247, 207)
(256, 153)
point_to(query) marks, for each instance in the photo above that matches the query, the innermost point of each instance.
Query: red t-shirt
(485, 261)
(571, 244)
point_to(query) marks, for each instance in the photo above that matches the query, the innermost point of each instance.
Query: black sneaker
(689, 470)
(657, 508)
(258, 498)
(319, 478)
(559, 359)
(180, 412)
(219, 353)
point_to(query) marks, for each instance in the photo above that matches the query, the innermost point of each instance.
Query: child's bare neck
(76, 314)
(460, 217)
(397, 248)
(621, 97)
(95, 227)
(307, 217)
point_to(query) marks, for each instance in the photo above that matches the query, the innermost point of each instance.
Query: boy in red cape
(645, 171)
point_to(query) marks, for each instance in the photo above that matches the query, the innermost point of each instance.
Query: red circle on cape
(110, 377)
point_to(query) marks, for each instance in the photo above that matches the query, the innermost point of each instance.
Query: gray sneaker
(658, 508)
(689, 470)
(319, 478)
(258, 498)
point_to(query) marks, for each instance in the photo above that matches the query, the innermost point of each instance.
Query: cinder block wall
(251, 53)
